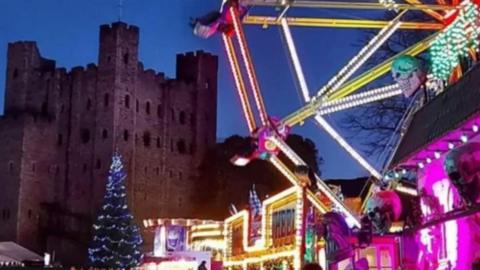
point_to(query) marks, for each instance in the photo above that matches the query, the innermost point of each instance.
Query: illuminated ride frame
(338, 94)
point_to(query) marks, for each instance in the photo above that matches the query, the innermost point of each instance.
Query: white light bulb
(464, 138)
(421, 165)
(475, 128)
(436, 154)
(451, 145)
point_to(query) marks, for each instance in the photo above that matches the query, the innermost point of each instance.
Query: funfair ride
(455, 28)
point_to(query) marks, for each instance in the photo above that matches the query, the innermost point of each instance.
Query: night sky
(67, 31)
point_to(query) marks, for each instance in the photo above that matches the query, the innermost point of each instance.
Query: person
(312, 266)
(202, 266)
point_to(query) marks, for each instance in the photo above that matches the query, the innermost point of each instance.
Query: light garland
(451, 145)
(239, 83)
(116, 240)
(360, 99)
(299, 233)
(252, 77)
(455, 41)
(295, 61)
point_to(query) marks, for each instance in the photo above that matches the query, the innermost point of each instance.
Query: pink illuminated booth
(442, 145)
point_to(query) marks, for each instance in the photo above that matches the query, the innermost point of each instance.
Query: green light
(455, 41)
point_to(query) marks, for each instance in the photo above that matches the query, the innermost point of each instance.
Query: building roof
(11, 252)
(350, 187)
(457, 104)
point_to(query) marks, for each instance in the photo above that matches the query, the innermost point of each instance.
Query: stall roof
(457, 104)
(11, 252)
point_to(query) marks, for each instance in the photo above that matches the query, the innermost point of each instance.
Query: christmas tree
(116, 239)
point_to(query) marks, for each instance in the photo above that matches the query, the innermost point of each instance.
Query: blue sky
(67, 31)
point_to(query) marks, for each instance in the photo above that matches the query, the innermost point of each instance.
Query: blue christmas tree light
(116, 239)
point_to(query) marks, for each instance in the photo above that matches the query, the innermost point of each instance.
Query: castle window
(147, 107)
(62, 108)
(125, 58)
(158, 142)
(146, 171)
(30, 213)
(157, 171)
(44, 109)
(85, 135)
(89, 104)
(10, 166)
(104, 134)
(159, 111)
(33, 166)
(127, 101)
(170, 173)
(99, 164)
(125, 135)
(85, 167)
(15, 73)
(172, 114)
(182, 118)
(171, 145)
(106, 98)
(146, 138)
(59, 139)
(180, 175)
(137, 106)
(109, 59)
(181, 147)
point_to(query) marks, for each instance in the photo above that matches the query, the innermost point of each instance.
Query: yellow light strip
(308, 110)
(206, 226)
(380, 70)
(344, 5)
(247, 60)
(292, 178)
(321, 185)
(239, 82)
(260, 258)
(361, 57)
(299, 229)
(207, 234)
(338, 23)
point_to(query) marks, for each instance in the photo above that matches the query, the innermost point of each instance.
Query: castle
(60, 128)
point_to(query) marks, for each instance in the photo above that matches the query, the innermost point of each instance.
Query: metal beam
(338, 23)
(344, 5)
(308, 110)
(374, 73)
(239, 82)
(429, 11)
(285, 148)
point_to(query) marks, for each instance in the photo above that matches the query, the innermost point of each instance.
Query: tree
(116, 239)
(374, 124)
(223, 184)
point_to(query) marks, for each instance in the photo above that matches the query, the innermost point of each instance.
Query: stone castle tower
(60, 128)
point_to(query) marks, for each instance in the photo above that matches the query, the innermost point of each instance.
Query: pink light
(444, 242)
